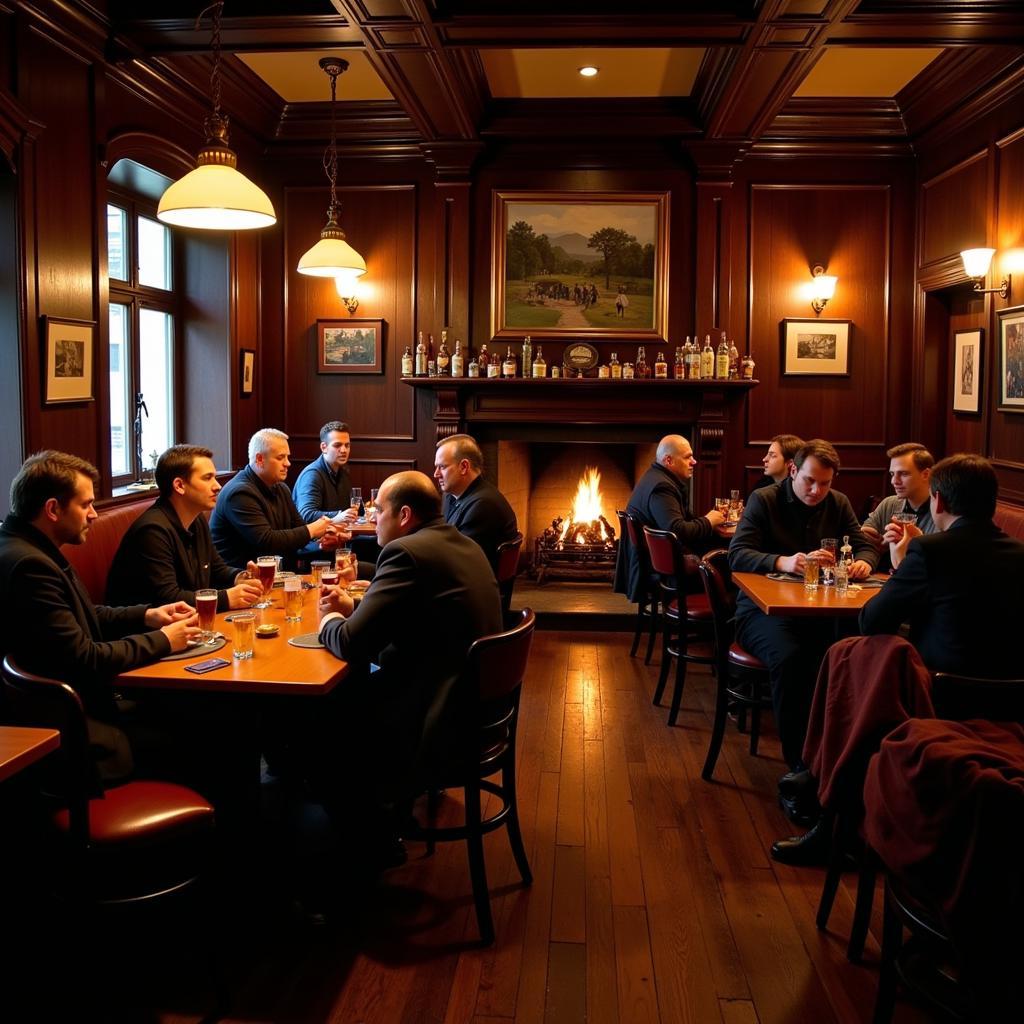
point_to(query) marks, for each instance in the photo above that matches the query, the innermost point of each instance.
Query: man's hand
(898, 548)
(318, 527)
(349, 515)
(165, 614)
(334, 599)
(715, 518)
(859, 570)
(179, 633)
(244, 594)
(791, 563)
(872, 535)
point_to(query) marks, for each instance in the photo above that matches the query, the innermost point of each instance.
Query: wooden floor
(654, 898)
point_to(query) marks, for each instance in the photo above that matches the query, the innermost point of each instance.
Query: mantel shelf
(574, 383)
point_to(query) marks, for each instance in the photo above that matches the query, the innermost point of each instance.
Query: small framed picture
(967, 347)
(247, 371)
(69, 353)
(350, 346)
(816, 348)
(1011, 359)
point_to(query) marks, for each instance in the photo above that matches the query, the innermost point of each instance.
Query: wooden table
(20, 747)
(363, 529)
(275, 667)
(785, 597)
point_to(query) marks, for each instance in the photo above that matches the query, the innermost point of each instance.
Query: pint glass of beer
(206, 606)
(267, 568)
(293, 599)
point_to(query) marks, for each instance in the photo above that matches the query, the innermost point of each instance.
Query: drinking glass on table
(316, 569)
(245, 633)
(371, 508)
(356, 499)
(842, 577)
(328, 578)
(293, 599)
(206, 606)
(811, 574)
(344, 559)
(266, 566)
(735, 507)
(829, 546)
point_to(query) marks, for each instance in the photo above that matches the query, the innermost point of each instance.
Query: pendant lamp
(216, 196)
(332, 256)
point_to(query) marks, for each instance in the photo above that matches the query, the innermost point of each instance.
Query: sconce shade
(977, 261)
(216, 197)
(824, 287)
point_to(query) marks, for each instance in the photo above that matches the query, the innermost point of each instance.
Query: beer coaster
(307, 640)
(198, 650)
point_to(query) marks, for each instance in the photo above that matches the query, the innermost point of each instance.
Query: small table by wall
(788, 597)
(20, 747)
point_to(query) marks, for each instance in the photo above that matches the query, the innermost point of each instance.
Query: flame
(586, 506)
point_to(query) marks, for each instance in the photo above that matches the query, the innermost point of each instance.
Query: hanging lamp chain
(333, 66)
(216, 125)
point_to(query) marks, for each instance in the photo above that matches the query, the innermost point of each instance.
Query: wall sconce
(823, 287)
(348, 291)
(976, 264)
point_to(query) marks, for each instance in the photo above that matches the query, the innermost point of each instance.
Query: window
(144, 321)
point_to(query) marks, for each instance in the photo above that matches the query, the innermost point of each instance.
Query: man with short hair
(778, 459)
(167, 554)
(910, 466)
(472, 504)
(48, 623)
(255, 514)
(781, 527)
(324, 487)
(661, 501)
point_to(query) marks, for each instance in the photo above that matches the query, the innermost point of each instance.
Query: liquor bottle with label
(615, 367)
(407, 362)
(484, 360)
(458, 360)
(679, 370)
(722, 360)
(443, 356)
(603, 372)
(642, 369)
(540, 367)
(474, 367)
(508, 367)
(628, 371)
(691, 356)
(421, 356)
(661, 367)
(527, 363)
(494, 369)
(707, 360)
(734, 361)
(431, 358)
(846, 551)
(748, 367)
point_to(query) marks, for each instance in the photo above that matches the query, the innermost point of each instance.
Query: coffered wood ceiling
(445, 76)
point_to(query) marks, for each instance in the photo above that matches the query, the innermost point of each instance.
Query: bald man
(660, 500)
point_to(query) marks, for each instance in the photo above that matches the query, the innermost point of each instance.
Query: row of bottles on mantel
(691, 362)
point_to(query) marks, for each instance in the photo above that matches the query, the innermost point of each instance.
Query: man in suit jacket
(49, 625)
(473, 505)
(324, 487)
(255, 514)
(660, 500)
(432, 596)
(167, 554)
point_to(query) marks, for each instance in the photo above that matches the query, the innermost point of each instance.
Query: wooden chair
(687, 617)
(486, 745)
(647, 616)
(507, 568)
(742, 679)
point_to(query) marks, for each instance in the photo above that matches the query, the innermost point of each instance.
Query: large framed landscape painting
(580, 265)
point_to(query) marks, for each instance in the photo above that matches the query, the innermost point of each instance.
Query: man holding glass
(910, 466)
(167, 554)
(781, 529)
(324, 487)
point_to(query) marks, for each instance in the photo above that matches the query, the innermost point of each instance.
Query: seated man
(939, 587)
(778, 459)
(255, 514)
(167, 554)
(910, 466)
(780, 528)
(473, 505)
(432, 596)
(661, 501)
(324, 488)
(50, 625)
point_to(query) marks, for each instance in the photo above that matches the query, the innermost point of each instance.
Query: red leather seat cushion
(697, 607)
(738, 656)
(138, 812)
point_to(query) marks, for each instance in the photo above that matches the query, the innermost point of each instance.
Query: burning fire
(586, 524)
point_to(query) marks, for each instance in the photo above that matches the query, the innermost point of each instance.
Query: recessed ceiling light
(588, 70)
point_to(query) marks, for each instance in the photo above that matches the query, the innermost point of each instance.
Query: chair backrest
(498, 662)
(714, 572)
(962, 697)
(507, 563)
(666, 553)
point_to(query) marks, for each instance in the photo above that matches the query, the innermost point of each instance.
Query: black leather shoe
(802, 810)
(812, 848)
(794, 783)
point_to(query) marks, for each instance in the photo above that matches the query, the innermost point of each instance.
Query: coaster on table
(785, 577)
(196, 650)
(308, 640)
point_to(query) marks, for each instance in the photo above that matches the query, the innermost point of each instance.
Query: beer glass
(206, 606)
(245, 633)
(904, 517)
(829, 545)
(316, 568)
(344, 559)
(811, 574)
(371, 509)
(293, 599)
(328, 578)
(842, 576)
(735, 506)
(356, 499)
(722, 505)
(266, 565)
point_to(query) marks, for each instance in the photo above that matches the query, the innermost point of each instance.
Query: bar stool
(506, 569)
(647, 600)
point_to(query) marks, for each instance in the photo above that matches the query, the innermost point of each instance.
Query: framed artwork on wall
(248, 371)
(590, 265)
(68, 359)
(350, 346)
(816, 348)
(1011, 359)
(967, 346)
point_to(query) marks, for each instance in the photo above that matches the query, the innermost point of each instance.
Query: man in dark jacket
(324, 487)
(48, 623)
(167, 554)
(661, 501)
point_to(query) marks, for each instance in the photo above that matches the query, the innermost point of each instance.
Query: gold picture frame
(548, 248)
(68, 357)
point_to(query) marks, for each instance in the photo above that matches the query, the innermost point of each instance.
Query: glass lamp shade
(216, 197)
(977, 261)
(332, 257)
(823, 287)
(347, 283)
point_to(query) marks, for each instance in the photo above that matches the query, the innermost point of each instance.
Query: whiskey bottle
(421, 356)
(628, 371)
(707, 359)
(407, 362)
(527, 363)
(474, 367)
(539, 368)
(722, 360)
(484, 360)
(642, 369)
(661, 367)
(691, 356)
(615, 367)
(508, 367)
(603, 372)
(679, 370)
(846, 551)
(431, 360)
(748, 367)
(734, 361)
(458, 360)
(443, 357)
